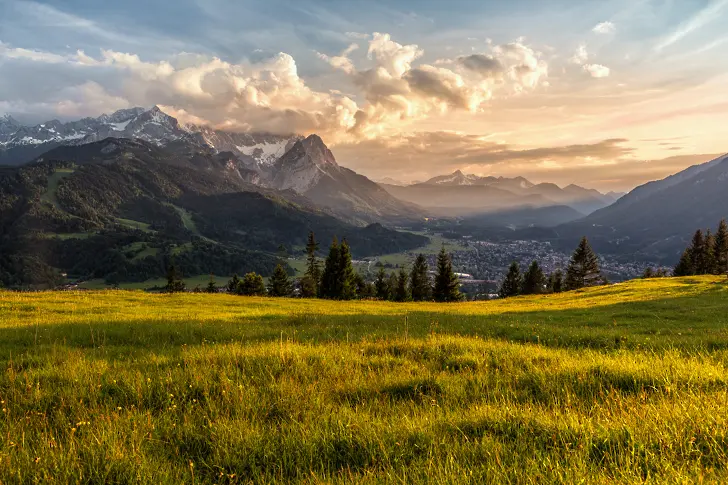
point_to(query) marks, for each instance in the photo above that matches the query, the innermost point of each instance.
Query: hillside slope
(603, 386)
(124, 209)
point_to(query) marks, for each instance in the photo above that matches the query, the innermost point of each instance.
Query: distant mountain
(391, 181)
(460, 194)
(21, 144)
(281, 162)
(125, 209)
(614, 196)
(657, 219)
(310, 169)
(522, 217)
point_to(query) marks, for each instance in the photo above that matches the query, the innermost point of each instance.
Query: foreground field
(621, 384)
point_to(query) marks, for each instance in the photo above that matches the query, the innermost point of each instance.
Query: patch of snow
(266, 153)
(120, 126)
(29, 140)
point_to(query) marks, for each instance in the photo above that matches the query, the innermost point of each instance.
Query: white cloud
(270, 95)
(706, 15)
(597, 70)
(604, 28)
(580, 55)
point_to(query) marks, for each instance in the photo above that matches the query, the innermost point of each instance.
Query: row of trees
(583, 271)
(707, 253)
(336, 279)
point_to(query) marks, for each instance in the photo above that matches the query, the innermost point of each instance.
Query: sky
(602, 94)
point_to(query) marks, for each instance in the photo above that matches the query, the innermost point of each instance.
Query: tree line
(336, 279)
(707, 253)
(583, 271)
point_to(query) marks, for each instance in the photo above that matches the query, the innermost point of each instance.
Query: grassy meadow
(621, 384)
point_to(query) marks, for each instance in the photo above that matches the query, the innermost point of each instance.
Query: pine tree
(174, 280)
(392, 286)
(381, 285)
(233, 286)
(279, 284)
(402, 293)
(364, 289)
(329, 278)
(583, 269)
(685, 265)
(420, 286)
(697, 252)
(534, 281)
(447, 286)
(211, 286)
(346, 277)
(252, 285)
(311, 281)
(556, 282)
(721, 248)
(512, 283)
(710, 264)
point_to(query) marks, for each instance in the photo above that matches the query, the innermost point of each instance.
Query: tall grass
(622, 384)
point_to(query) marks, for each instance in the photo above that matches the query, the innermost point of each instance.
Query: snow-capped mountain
(20, 144)
(8, 125)
(280, 162)
(460, 178)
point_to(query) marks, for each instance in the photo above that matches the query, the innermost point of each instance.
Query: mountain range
(123, 209)
(468, 195)
(656, 220)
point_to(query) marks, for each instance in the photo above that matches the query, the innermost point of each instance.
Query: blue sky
(606, 93)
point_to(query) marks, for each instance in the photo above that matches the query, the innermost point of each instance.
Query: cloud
(265, 96)
(597, 70)
(604, 28)
(703, 17)
(482, 64)
(580, 55)
(421, 153)
(395, 90)
(269, 95)
(609, 164)
(357, 35)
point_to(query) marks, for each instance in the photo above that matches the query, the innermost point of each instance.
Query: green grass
(53, 180)
(191, 282)
(622, 384)
(143, 226)
(407, 258)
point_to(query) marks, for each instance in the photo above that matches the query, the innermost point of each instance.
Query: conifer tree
(697, 252)
(252, 284)
(402, 292)
(329, 278)
(420, 286)
(685, 265)
(556, 282)
(279, 283)
(346, 277)
(311, 281)
(381, 285)
(447, 286)
(583, 269)
(534, 281)
(512, 283)
(392, 286)
(721, 248)
(710, 264)
(211, 286)
(174, 280)
(233, 286)
(364, 289)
